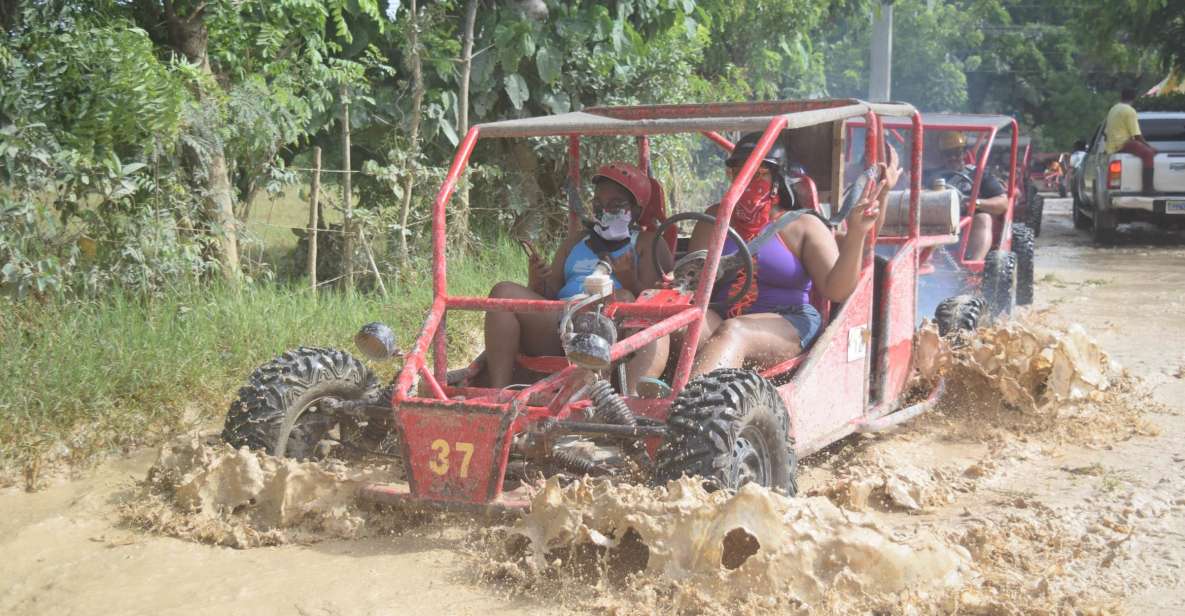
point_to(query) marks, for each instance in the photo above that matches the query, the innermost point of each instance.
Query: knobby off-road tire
(278, 409)
(1035, 214)
(1025, 248)
(1081, 220)
(729, 427)
(959, 313)
(999, 283)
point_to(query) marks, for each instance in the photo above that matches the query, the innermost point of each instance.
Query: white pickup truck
(1108, 187)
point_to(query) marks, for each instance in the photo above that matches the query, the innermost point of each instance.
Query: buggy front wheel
(729, 427)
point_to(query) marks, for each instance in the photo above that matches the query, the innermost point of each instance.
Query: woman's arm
(650, 278)
(835, 267)
(701, 235)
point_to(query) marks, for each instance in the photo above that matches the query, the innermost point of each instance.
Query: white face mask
(613, 226)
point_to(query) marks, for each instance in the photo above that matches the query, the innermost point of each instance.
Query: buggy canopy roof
(659, 119)
(956, 121)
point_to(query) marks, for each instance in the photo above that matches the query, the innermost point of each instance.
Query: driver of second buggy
(774, 321)
(991, 202)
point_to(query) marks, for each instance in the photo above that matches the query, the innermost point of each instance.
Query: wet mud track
(1060, 527)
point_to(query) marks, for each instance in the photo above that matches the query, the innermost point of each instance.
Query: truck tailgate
(1169, 172)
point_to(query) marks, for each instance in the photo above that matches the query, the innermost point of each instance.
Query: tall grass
(82, 379)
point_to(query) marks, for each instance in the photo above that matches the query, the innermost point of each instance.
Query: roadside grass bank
(80, 380)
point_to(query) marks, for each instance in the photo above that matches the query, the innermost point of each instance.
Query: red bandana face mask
(753, 208)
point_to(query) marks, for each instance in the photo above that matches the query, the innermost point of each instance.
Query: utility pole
(881, 53)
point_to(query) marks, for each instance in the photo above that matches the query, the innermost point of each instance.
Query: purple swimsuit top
(781, 278)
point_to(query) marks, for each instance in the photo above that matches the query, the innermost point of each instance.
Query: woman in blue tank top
(622, 192)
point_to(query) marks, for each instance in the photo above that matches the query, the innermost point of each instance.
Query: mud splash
(730, 547)
(206, 491)
(1025, 377)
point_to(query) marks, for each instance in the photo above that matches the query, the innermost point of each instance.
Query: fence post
(347, 194)
(314, 205)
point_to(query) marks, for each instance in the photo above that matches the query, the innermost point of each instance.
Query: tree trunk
(460, 226)
(188, 35)
(417, 101)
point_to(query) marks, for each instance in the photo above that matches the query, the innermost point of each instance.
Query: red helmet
(630, 178)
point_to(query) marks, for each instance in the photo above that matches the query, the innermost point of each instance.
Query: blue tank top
(582, 261)
(782, 280)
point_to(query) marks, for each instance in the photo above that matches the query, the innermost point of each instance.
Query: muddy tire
(1101, 231)
(998, 286)
(1024, 247)
(729, 427)
(278, 412)
(959, 313)
(1035, 214)
(1081, 220)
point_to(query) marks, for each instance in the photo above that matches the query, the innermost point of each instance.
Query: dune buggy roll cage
(985, 127)
(640, 121)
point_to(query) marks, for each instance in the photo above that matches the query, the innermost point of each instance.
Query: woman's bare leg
(763, 338)
(650, 360)
(506, 333)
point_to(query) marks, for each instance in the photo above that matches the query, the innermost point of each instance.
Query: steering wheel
(741, 257)
(961, 181)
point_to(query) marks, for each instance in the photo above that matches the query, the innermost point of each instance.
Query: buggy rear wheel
(280, 410)
(1025, 249)
(998, 285)
(958, 313)
(729, 427)
(1036, 211)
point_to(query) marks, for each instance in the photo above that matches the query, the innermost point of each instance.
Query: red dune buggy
(466, 445)
(957, 288)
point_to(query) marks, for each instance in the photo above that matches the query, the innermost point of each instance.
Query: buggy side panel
(897, 304)
(827, 396)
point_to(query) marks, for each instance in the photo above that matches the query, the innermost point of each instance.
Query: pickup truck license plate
(1174, 207)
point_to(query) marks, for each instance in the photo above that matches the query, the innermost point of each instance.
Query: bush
(85, 378)
(1161, 102)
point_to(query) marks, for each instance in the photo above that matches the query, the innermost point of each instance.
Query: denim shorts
(805, 319)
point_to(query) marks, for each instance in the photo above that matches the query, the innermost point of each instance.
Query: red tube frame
(673, 317)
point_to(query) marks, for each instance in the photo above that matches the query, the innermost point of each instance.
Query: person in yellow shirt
(1122, 131)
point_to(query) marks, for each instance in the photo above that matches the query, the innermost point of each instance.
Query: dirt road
(1032, 513)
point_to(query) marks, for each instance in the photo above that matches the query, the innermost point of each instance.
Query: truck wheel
(1101, 231)
(1081, 220)
(730, 428)
(278, 409)
(958, 313)
(1024, 247)
(999, 282)
(1035, 213)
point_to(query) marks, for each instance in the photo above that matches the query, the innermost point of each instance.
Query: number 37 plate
(1174, 207)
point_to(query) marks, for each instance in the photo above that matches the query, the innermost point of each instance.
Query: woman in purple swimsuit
(775, 320)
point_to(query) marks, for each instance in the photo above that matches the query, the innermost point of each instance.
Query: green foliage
(95, 82)
(1164, 102)
(933, 48)
(72, 226)
(1125, 29)
(763, 49)
(102, 376)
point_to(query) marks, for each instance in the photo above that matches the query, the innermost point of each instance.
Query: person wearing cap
(991, 202)
(1122, 133)
(625, 201)
(774, 320)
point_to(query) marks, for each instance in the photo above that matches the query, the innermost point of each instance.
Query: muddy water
(1052, 520)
